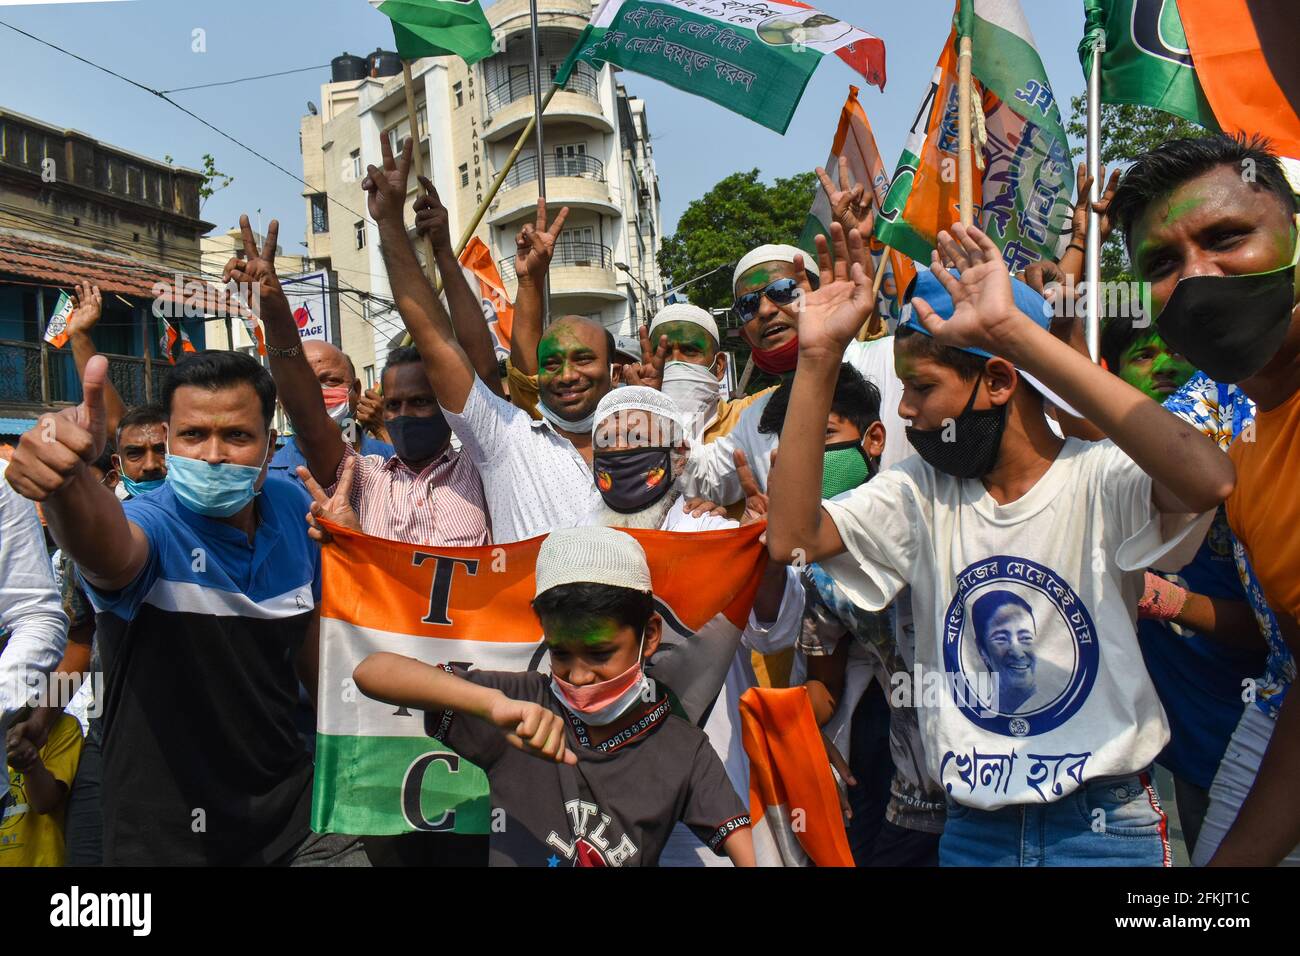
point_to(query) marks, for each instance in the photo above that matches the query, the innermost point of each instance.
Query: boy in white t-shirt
(1025, 554)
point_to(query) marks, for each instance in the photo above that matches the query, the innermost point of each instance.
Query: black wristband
(1075, 245)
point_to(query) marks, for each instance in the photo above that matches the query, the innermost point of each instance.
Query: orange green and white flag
(1023, 178)
(56, 330)
(378, 769)
(753, 58)
(793, 801)
(855, 143)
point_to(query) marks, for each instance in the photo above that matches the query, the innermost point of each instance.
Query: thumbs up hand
(52, 455)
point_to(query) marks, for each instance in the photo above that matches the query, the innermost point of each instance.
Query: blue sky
(696, 142)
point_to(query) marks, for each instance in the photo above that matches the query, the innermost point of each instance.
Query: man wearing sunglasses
(769, 284)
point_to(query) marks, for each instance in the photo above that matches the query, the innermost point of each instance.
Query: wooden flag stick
(965, 192)
(874, 326)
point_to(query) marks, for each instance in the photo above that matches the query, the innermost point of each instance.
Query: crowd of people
(1013, 581)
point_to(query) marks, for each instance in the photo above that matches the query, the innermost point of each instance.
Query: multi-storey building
(73, 209)
(597, 160)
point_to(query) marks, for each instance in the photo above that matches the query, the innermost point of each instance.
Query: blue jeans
(1115, 822)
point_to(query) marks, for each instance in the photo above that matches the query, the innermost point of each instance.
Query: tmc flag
(754, 59)
(378, 769)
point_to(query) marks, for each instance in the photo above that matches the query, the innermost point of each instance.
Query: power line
(246, 79)
(188, 112)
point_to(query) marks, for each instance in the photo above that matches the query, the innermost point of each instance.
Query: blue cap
(932, 291)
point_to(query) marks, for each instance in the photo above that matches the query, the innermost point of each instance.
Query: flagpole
(417, 159)
(1092, 252)
(873, 324)
(964, 186)
(541, 144)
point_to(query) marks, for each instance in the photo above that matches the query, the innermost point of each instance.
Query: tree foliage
(736, 215)
(1126, 133)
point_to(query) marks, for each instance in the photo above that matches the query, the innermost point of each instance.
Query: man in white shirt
(33, 627)
(536, 475)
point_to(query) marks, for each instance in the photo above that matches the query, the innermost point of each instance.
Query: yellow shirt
(28, 838)
(729, 413)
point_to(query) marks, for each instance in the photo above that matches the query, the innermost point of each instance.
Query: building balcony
(510, 103)
(27, 381)
(574, 181)
(577, 269)
(511, 17)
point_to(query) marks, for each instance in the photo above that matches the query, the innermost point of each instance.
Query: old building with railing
(76, 209)
(597, 160)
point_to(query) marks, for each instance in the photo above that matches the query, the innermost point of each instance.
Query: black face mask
(1229, 326)
(418, 438)
(977, 437)
(630, 481)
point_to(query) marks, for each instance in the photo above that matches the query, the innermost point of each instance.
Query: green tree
(210, 176)
(1126, 133)
(737, 214)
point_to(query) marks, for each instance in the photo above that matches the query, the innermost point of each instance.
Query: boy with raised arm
(1025, 553)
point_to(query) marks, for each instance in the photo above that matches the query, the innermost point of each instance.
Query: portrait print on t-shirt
(1019, 647)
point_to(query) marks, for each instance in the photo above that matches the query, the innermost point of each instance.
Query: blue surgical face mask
(135, 489)
(217, 491)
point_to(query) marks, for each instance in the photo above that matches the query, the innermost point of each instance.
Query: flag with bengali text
(1023, 175)
(752, 58)
(378, 770)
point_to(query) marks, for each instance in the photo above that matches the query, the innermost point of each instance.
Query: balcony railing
(21, 379)
(575, 253)
(581, 167)
(582, 80)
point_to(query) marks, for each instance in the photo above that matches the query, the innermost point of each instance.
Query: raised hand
(53, 454)
(650, 370)
(851, 205)
(1079, 222)
(255, 269)
(984, 310)
(533, 729)
(432, 219)
(89, 307)
(386, 188)
(337, 507)
(830, 316)
(755, 499)
(370, 412)
(535, 244)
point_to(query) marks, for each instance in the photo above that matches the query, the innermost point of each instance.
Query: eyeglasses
(780, 291)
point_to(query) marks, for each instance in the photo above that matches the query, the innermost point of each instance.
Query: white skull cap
(774, 253)
(592, 555)
(684, 312)
(638, 398)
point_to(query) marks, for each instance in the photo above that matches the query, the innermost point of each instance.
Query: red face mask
(603, 702)
(779, 360)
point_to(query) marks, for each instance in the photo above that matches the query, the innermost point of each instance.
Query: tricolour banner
(793, 803)
(1022, 192)
(378, 771)
(752, 58)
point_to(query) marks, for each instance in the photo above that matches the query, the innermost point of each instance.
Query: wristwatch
(274, 352)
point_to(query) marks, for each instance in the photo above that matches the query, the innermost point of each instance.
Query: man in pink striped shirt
(428, 493)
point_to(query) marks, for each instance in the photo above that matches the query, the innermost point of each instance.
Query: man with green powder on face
(536, 474)
(1140, 357)
(1210, 223)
